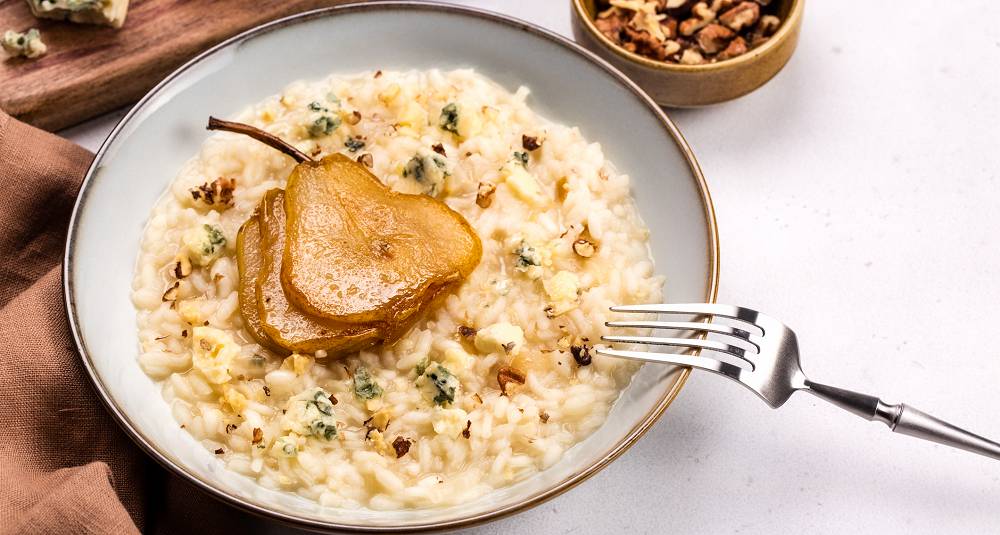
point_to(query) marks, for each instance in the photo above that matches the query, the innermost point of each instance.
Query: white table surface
(858, 198)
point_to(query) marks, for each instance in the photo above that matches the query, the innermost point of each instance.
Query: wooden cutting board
(89, 70)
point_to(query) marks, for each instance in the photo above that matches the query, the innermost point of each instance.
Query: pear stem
(270, 140)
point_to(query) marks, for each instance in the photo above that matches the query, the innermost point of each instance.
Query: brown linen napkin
(65, 465)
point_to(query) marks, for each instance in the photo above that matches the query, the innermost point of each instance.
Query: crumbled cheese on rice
(213, 353)
(449, 422)
(500, 338)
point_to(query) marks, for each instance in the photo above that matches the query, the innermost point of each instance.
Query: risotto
(490, 386)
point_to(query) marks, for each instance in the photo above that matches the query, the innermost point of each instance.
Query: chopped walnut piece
(218, 193)
(366, 160)
(692, 57)
(181, 266)
(744, 15)
(669, 28)
(508, 375)
(171, 293)
(646, 19)
(530, 143)
(466, 332)
(768, 25)
(736, 47)
(641, 42)
(258, 435)
(378, 422)
(611, 23)
(670, 48)
(581, 354)
(484, 197)
(701, 16)
(714, 38)
(401, 445)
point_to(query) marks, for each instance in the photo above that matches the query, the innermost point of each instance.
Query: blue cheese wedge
(105, 12)
(28, 44)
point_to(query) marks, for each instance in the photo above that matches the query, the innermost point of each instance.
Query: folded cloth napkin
(65, 465)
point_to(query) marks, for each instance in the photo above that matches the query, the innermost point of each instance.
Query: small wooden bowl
(685, 86)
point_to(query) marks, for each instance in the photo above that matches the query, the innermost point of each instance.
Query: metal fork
(770, 367)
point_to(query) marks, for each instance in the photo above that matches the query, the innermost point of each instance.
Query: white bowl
(568, 85)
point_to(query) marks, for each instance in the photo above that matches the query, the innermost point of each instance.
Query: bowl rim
(792, 21)
(137, 436)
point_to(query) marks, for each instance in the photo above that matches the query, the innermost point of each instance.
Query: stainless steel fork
(768, 364)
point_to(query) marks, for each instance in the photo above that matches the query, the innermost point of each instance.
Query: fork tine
(693, 343)
(716, 328)
(726, 311)
(703, 363)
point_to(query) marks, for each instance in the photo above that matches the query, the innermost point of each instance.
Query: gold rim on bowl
(168, 461)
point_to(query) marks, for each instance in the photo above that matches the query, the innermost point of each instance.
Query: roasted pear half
(249, 260)
(358, 252)
(339, 262)
(281, 321)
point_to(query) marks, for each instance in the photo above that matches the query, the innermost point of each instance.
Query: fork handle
(905, 420)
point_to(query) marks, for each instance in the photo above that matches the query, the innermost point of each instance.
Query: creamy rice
(482, 441)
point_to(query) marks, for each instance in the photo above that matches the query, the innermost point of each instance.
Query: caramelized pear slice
(358, 252)
(249, 260)
(281, 320)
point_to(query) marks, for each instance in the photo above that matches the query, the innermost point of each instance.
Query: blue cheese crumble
(310, 413)
(28, 44)
(459, 120)
(365, 386)
(322, 122)
(438, 383)
(285, 447)
(213, 352)
(204, 243)
(428, 169)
